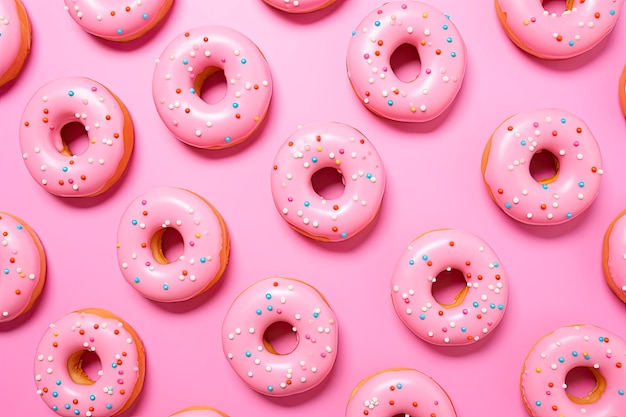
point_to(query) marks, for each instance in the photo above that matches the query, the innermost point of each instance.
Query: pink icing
(22, 269)
(399, 392)
(10, 38)
(312, 148)
(176, 95)
(107, 124)
(479, 308)
(117, 349)
(441, 52)
(200, 412)
(507, 158)
(554, 355)
(117, 20)
(206, 244)
(614, 256)
(273, 300)
(299, 6)
(559, 36)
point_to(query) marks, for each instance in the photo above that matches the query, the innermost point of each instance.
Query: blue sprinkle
(425, 257)
(422, 317)
(92, 397)
(136, 280)
(563, 120)
(369, 175)
(569, 215)
(258, 311)
(64, 169)
(544, 186)
(571, 43)
(248, 354)
(344, 235)
(449, 40)
(55, 394)
(134, 222)
(574, 353)
(109, 406)
(192, 90)
(507, 205)
(581, 184)
(463, 329)
(6, 270)
(270, 388)
(185, 61)
(492, 305)
(58, 382)
(445, 27)
(601, 338)
(620, 392)
(538, 403)
(235, 105)
(475, 304)
(55, 408)
(496, 264)
(611, 12)
(500, 307)
(227, 139)
(202, 260)
(399, 386)
(268, 296)
(145, 15)
(377, 23)
(114, 365)
(166, 287)
(70, 93)
(307, 204)
(77, 412)
(270, 308)
(453, 54)
(523, 143)
(411, 262)
(390, 102)
(19, 227)
(119, 31)
(244, 60)
(316, 314)
(353, 32)
(561, 359)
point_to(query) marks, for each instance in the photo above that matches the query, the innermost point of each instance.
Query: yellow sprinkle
(93, 140)
(117, 245)
(526, 21)
(423, 42)
(197, 235)
(256, 118)
(319, 149)
(337, 162)
(22, 274)
(55, 333)
(424, 15)
(538, 370)
(413, 109)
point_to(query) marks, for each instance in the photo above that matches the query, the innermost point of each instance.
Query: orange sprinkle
(96, 326)
(18, 292)
(26, 124)
(45, 111)
(108, 117)
(334, 228)
(83, 177)
(45, 120)
(438, 51)
(451, 243)
(187, 110)
(597, 15)
(113, 13)
(206, 39)
(128, 8)
(559, 38)
(578, 130)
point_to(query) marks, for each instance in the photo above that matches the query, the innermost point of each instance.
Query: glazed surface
(273, 300)
(14, 37)
(23, 267)
(441, 53)
(107, 126)
(555, 354)
(328, 145)
(299, 6)
(614, 256)
(507, 158)
(399, 391)
(117, 20)
(558, 35)
(177, 84)
(205, 244)
(477, 310)
(118, 349)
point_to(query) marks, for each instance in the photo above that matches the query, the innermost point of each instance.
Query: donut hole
(210, 85)
(167, 245)
(544, 167)
(84, 367)
(328, 183)
(405, 62)
(557, 6)
(401, 415)
(449, 288)
(75, 139)
(584, 385)
(280, 338)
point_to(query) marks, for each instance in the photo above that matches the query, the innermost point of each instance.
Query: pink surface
(433, 180)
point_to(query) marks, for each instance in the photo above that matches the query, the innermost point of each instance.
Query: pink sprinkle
(444, 329)
(436, 402)
(384, 69)
(148, 263)
(428, 71)
(366, 56)
(535, 124)
(94, 89)
(576, 143)
(313, 340)
(120, 381)
(407, 301)
(71, 181)
(290, 199)
(121, 372)
(279, 311)
(464, 311)
(191, 243)
(323, 354)
(223, 59)
(341, 151)
(175, 122)
(144, 202)
(404, 6)
(532, 19)
(91, 339)
(489, 323)
(192, 75)
(307, 336)
(52, 127)
(548, 393)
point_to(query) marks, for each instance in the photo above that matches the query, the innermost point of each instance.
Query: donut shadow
(306, 18)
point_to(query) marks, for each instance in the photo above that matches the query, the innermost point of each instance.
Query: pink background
(433, 181)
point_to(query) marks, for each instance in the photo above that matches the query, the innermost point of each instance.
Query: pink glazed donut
(181, 71)
(328, 145)
(441, 51)
(614, 256)
(22, 266)
(399, 392)
(476, 310)
(507, 159)
(580, 346)
(63, 384)
(199, 411)
(140, 250)
(107, 124)
(254, 359)
(581, 26)
(15, 39)
(622, 91)
(117, 20)
(299, 6)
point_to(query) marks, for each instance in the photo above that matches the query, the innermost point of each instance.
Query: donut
(117, 20)
(107, 124)
(614, 256)
(23, 267)
(140, 249)
(475, 311)
(59, 375)
(181, 71)
(199, 411)
(543, 383)
(299, 6)
(321, 146)
(255, 360)
(441, 53)
(399, 392)
(622, 90)
(581, 26)
(15, 39)
(507, 160)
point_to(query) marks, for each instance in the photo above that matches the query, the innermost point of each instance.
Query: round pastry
(117, 20)
(15, 39)
(622, 90)
(181, 71)
(140, 249)
(441, 53)
(580, 27)
(107, 124)
(254, 359)
(508, 157)
(399, 392)
(299, 6)
(23, 267)
(59, 375)
(316, 147)
(476, 310)
(614, 255)
(199, 411)
(543, 379)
